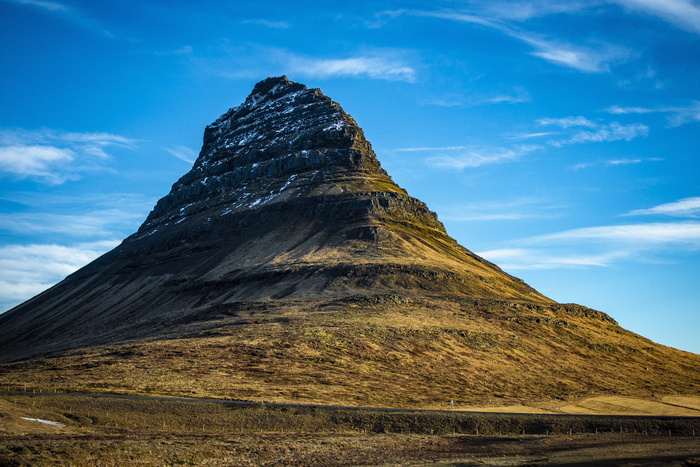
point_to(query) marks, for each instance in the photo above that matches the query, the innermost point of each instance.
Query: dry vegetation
(107, 431)
(391, 351)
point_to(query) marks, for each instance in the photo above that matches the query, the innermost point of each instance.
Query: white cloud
(602, 246)
(71, 14)
(593, 132)
(100, 223)
(38, 162)
(373, 66)
(568, 122)
(517, 96)
(268, 23)
(476, 157)
(525, 10)
(524, 208)
(50, 6)
(26, 270)
(533, 135)
(683, 13)
(677, 115)
(637, 235)
(443, 148)
(615, 162)
(183, 153)
(532, 259)
(587, 59)
(687, 207)
(254, 60)
(52, 156)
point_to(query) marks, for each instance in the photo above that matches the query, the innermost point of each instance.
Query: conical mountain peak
(286, 201)
(287, 265)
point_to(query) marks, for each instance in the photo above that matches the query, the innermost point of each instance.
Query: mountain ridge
(289, 245)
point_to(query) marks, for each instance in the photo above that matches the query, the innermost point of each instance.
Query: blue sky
(559, 139)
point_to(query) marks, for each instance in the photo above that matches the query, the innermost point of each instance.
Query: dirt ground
(293, 449)
(108, 431)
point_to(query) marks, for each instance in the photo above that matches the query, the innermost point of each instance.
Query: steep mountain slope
(288, 262)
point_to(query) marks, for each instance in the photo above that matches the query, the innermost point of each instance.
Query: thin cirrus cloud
(616, 162)
(268, 23)
(536, 259)
(523, 208)
(93, 224)
(373, 66)
(183, 153)
(639, 235)
(54, 157)
(254, 60)
(587, 59)
(602, 246)
(26, 270)
(684, 14)
(463, 157)
(517, 96)
(676, 115)
(68, 13)
(687, 207)
(584, 130)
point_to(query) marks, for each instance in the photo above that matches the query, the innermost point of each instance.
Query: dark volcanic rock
(286, 201)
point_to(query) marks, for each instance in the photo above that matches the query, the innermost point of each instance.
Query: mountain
(286, 264)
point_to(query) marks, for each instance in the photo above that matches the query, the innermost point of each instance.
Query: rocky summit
(287, 265)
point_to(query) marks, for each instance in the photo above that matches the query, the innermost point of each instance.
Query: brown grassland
(403, 352)
(109, 431)
(559, 366)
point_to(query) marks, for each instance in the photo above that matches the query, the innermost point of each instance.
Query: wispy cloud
(254, 60)
(533, 259)
(616, 162)
(602, 246)
(68, 13)
(95, 224)
(582, 58)
(523, 208)
(183, 153)
(84, 217)
(463, 158)
(678, 115)
(684, 14)
(687, 207)
(540, 134)
(595, 58)
(587, 131)
(26, 270)
(44, 163)
(269, 23)
(376, 66)
(526, 10)
(517, 96)
(52, 156)
(443, 148)
(653, 234)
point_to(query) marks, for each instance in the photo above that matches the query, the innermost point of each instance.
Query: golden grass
(612, 405)
(399, 352)
(108, 431)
